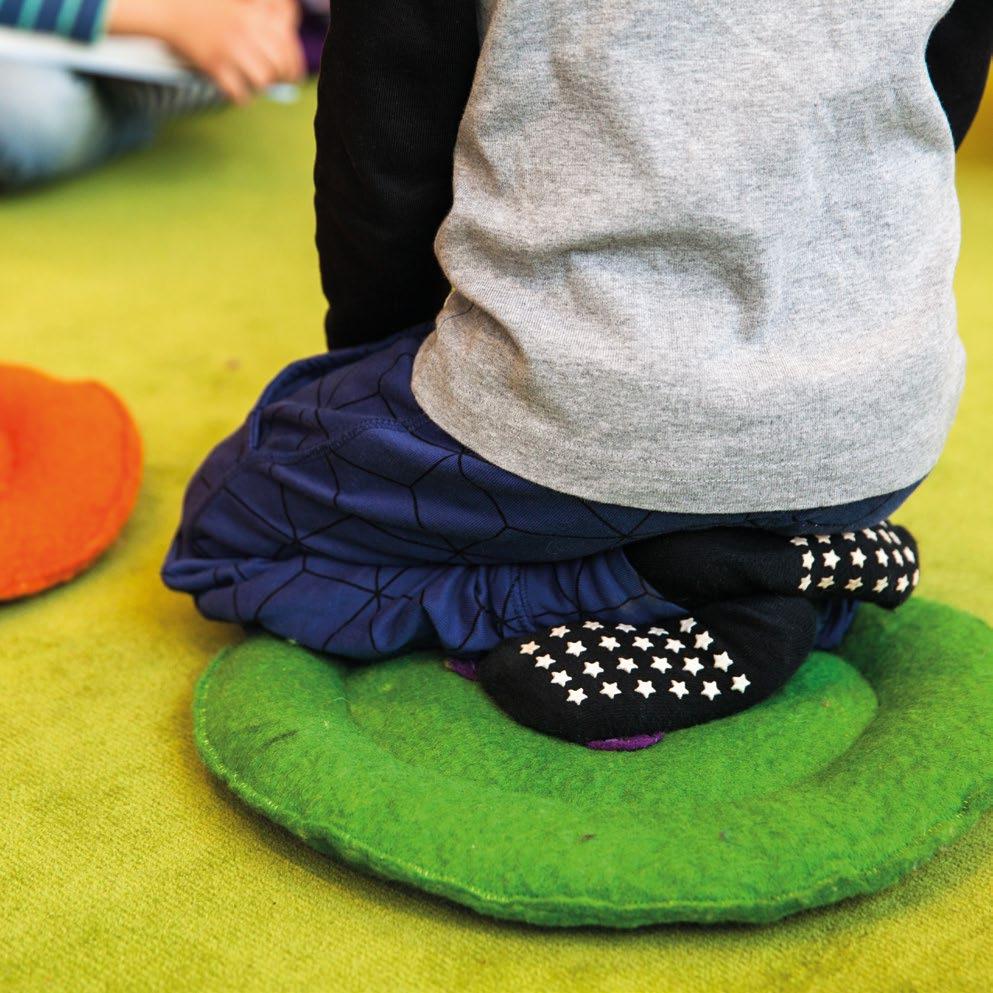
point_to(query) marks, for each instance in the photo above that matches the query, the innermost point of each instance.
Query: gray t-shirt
(702, 253)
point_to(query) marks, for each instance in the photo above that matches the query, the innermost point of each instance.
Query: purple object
(466, 668)
(312, 29)
(633, 744)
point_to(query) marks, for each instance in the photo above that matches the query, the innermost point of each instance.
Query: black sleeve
(958, 59)
(395, 77)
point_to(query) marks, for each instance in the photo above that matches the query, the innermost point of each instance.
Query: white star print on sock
(592, 625)
(808, 560)
(674, 646)
(703, 640)
(805, 582)
(710, 690)
(609, 643)
(881, 585)
(577, 696)
(626, 628)
(881, 557)
(575, 648)
(626, 665)
(831, 559)
(543, 661)
(561, 677)
(740, 683)
(642, 643)
(559, 632)
(902, 584)
(858, 558)
(592, 668)
(798, 541)
(661, 664)
(645, 688)
(678, 688)
(826, 582)
(853, 584)
(723, 662)
(692, 666)
(609, 690)
(687, 624)
(530, 648)
(657, 631)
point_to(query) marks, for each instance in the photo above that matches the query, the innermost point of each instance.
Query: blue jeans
(340, 516)
(54, 122)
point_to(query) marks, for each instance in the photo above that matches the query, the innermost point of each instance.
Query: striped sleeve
(81, 20)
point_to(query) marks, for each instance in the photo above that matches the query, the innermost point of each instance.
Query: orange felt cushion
(70, 467)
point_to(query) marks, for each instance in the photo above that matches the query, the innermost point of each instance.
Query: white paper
(120, 56)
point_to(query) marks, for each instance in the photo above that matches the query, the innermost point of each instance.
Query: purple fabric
(466, 668)
(339, 515)
(313, 28)
(632, 744)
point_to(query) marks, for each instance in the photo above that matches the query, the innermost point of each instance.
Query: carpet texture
(183, 277)
(70, 467)
(852, 775)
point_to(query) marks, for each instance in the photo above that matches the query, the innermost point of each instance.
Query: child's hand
(243, 45)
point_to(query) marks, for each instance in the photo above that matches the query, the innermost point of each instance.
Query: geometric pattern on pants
(340, 516)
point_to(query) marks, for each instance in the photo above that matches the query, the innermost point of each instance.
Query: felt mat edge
(118, 510)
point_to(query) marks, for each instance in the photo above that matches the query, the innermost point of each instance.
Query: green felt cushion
(859, 770)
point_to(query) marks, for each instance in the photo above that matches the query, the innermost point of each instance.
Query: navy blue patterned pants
(341, 517)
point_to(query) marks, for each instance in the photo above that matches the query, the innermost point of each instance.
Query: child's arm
(395, 77)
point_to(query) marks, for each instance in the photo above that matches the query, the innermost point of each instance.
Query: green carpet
(184, 277)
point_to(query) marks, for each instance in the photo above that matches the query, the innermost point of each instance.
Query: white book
(140, 59)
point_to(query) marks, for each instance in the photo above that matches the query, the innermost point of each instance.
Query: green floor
(184, 277)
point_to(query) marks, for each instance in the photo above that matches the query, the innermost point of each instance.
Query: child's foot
(591, 682)
(878, 564)
(469, 669)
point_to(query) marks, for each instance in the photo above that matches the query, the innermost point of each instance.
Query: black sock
(590, 681)
(878, 564)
